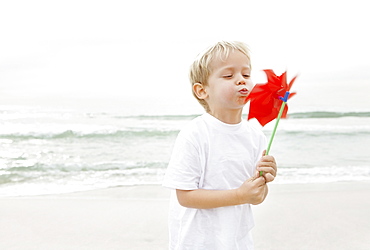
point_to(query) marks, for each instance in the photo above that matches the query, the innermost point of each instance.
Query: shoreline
(293, 216)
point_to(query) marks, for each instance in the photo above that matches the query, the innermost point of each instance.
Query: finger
(260, 173)
(268, 158)
(269, 170)
(269, 177)
(267, 167)
(267, 164)
(260, 181)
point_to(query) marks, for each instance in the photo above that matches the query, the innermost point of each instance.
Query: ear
(200, 91)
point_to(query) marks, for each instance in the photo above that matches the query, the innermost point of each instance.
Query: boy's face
(229, 83)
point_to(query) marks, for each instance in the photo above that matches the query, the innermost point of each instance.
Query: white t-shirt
(210, 154)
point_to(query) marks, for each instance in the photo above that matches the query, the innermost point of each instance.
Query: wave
(167, 126)
(94, 135)
(296, 115)
(159, 117)
(327, 114)
(322, 133)
(157, 134)
(52, 173)
(8, 115)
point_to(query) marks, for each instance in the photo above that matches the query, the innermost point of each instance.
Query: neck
(230, 117)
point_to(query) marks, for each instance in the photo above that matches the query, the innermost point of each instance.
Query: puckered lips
(244, 91)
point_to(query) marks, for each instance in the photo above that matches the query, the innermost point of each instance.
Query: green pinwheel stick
(284, 99)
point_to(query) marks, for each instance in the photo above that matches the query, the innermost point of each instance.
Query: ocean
(51, 149)
(46, 150)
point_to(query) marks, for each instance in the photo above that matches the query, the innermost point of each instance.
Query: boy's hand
(268, 166)
(252, 191)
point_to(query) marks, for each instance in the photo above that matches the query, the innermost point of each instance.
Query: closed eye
(228, 76)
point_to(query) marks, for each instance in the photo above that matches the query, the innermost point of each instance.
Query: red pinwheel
(266, 99)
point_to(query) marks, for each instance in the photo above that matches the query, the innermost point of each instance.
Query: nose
(245, 83)
(240, 80)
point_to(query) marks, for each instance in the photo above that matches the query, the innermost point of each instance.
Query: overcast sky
(144, 48)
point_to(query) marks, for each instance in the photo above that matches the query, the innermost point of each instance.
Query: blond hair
(200, 70)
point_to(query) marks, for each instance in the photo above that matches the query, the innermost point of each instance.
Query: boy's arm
(252, 191)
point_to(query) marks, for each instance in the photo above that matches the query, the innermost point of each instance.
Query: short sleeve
(184, 168)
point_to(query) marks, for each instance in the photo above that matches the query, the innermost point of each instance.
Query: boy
(214, 166)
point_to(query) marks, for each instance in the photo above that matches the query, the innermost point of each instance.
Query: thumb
(260, 181)
(264, 152)
(256, 175)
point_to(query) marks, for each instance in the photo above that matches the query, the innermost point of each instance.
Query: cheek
(228, 93)
(249, 85)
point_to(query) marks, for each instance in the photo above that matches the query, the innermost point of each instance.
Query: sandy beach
(297, 216)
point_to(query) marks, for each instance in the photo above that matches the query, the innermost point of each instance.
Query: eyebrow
(231, 68)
